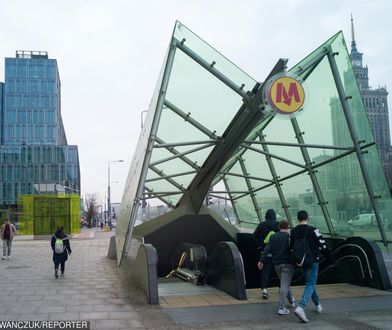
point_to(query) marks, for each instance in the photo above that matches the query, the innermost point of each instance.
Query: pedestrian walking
(61, 248)
(8, 232)
(262, 235)
(279, 248)
(306, 241)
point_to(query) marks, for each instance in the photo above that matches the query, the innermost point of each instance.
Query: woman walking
(61, 248)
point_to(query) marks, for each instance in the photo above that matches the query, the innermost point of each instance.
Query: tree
(92, 208)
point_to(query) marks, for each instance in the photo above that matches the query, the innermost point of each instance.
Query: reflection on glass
(307, 163)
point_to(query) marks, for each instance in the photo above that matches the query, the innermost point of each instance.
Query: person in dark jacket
(316, 243)
(7, 233)
(279, 248)
(59, 258)
(262, 234)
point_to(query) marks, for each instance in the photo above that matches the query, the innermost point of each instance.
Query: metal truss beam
(168, 179)
(299, 145)
(240, 153)
(231, 200)
(154, 128)
(179, 155)
(159, 193)
(354, 136)
(164, 177)
(182, 144)
(329, 160)
(276, 180)
(312, 175)
(158, 197)
(187, 117)
(245, 176)
(250, 188)
(250, 114)
(210, 68)
(175, 152)
(310, 65)
(274, 156)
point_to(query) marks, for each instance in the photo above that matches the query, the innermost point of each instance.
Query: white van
(365, 220)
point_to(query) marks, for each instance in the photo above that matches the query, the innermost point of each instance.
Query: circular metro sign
(286, 95)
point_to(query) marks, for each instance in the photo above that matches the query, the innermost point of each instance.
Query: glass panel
(364, 220)
(198, 93)
(210, 55)
(312, 57)
(202, 98)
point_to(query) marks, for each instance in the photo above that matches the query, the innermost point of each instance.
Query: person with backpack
(305, 243)
(61, 248)
(262, 234)
(279, 248)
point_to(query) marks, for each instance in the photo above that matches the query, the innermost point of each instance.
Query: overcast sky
(109, 54)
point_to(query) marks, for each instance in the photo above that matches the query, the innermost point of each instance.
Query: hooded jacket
(262, 230)
(61, 257)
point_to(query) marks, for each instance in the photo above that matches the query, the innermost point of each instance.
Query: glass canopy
(210, 131)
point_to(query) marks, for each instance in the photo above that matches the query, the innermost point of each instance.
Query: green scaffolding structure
(43, 214)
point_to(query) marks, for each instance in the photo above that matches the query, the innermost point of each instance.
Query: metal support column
(231, 200)
(250, 188)
(354, 136)
(150, 145)
(313, 178)
(276, 180)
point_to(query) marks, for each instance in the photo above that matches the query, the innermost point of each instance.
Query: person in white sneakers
(305, 243)
(262, 235)
(7, 232)
(279, 248)
(61, 249)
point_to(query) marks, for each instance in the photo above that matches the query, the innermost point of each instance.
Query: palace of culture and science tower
(376, 105)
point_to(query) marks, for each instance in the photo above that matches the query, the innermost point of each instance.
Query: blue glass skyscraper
(34, 154)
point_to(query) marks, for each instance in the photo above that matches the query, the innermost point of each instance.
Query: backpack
(301, 254)
(267, 238)
(59, 246)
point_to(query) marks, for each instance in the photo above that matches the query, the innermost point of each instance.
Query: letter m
(282, 93)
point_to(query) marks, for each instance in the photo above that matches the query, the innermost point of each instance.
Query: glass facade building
(35, 157)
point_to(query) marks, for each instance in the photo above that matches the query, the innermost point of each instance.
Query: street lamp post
(109, 207)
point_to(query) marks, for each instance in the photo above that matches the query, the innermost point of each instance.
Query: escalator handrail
(361, 249)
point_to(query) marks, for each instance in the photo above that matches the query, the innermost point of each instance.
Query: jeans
(285, 273)
(7, 247)
(265, 273)
(310, 290)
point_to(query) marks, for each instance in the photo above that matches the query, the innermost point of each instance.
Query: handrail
(363, 251)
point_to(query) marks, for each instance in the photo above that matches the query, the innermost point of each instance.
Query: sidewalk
(95, 289)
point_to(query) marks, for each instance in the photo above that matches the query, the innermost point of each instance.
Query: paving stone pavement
(94, 289)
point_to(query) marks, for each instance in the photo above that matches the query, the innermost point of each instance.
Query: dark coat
(61, 257)
(262, 231)
(279, 248)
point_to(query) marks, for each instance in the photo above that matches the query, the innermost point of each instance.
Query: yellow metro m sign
(285, 95)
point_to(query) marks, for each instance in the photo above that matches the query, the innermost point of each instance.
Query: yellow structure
(42, 214)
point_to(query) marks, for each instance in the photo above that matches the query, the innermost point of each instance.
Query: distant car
(342, 229)
(366, 220)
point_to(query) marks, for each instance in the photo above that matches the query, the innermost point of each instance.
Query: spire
(353, 43)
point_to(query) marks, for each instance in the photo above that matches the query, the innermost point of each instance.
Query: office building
(35, 157)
